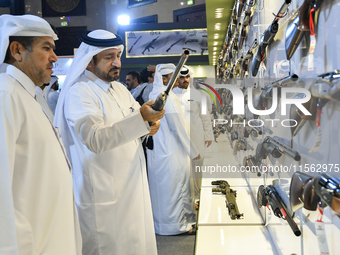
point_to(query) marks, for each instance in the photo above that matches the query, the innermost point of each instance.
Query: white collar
(22, 78)
(104, 85)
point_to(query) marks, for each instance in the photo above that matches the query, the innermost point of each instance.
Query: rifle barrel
(175, 74)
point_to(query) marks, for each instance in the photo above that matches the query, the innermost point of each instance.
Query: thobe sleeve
(8, 137)
(179, 131)
(83, 113)
(207, 127)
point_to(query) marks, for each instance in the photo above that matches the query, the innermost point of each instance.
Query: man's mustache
(114, 68)
(50, 65)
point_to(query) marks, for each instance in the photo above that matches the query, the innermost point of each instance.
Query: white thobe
(109, 172)
(40, 97)
(135, 92)
(169, 172)
(52, 99)
(38, 214)
(199, 127)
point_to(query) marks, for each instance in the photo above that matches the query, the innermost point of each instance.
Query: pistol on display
(273, 147)
(268, 196)
(308, 192)
(326, 88)
(266, 97)
(267, 38)
(230, 195)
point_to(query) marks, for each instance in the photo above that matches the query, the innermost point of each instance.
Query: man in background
(199, 126)
(168, 164)
(132, 81)
(143, 90)
(52, 93)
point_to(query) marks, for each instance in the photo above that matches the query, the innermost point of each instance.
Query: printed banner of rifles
(165, 43)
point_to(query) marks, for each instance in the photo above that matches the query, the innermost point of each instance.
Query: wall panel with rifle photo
(159, 43)
(285, 58)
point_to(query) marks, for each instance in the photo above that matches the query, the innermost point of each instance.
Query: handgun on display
(273, 147)
(263, 100)
(268, 196)
(230, 195)
(326, 88)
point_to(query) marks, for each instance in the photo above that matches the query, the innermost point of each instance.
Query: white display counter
(213, 210)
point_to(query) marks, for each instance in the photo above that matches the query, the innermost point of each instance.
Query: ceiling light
(123, 20)
(216, 36)
(218, 26)
(214, 52)
(215, 43)
(182, 3)
(215, 48)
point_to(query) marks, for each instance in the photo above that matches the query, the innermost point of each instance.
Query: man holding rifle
(168, 163)
(101, 125)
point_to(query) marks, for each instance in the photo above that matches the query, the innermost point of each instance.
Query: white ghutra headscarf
(93, 43)
(22, 25)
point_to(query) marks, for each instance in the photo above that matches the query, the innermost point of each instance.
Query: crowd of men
(73, 174)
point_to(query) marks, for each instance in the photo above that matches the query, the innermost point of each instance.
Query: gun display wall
(273, 50)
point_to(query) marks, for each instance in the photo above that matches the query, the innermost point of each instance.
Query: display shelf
(213, 209)
(252, 240)
(285, 240)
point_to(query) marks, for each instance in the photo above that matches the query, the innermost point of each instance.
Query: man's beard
(184, 85)
(106, 76)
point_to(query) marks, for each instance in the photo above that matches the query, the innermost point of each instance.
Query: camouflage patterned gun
(237, 67)
(230, 195)
(240, 145)
(268, 196)
(247, 59)
(326, 88)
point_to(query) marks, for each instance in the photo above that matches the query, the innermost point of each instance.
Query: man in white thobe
(198, 125)
(101, 125)
(168, 164)
(38, 214)
(52, 94)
